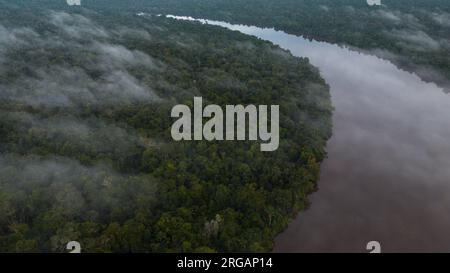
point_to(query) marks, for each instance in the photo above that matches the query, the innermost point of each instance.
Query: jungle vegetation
(85, 148)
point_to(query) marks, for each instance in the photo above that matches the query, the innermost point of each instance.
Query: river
(387, 175)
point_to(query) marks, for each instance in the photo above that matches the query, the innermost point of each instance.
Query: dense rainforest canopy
(85, 146)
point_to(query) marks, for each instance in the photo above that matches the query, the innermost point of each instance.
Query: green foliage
(109, 175)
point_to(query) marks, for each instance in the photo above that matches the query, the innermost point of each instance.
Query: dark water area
(387, 176)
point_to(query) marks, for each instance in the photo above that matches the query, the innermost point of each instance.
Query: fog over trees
(86, 92)
(86, 152)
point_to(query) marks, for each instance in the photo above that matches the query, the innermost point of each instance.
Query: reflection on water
(387, 176)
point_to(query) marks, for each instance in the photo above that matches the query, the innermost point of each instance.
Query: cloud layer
(100, 76)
